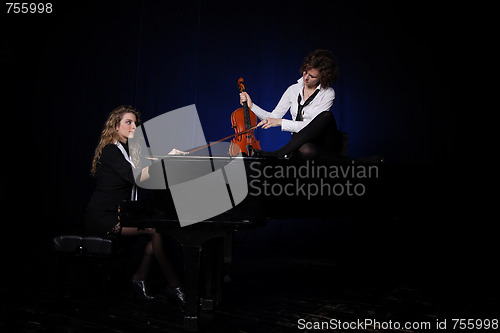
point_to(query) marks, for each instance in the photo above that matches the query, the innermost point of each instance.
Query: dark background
(403, 80)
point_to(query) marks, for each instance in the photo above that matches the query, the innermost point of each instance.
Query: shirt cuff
(288, 125)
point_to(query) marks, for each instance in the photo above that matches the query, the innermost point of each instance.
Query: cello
(244, 122)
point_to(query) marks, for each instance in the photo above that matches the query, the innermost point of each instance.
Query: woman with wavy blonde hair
(110, 133)
(112, 166)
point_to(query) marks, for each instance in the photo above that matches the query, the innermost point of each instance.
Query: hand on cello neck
(245, 97)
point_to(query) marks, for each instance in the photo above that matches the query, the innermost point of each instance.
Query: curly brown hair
(323, 61)
(109, 133)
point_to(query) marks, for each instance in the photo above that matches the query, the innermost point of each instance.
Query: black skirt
(101, 222)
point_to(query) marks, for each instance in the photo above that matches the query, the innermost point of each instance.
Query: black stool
(98, 255)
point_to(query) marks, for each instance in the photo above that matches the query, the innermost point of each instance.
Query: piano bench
(87, 260)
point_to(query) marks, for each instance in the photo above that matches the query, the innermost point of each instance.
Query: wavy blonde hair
(110, 135)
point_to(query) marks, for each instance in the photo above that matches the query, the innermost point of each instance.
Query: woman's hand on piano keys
(177, 152)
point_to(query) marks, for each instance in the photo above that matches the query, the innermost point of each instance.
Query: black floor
(276, 287)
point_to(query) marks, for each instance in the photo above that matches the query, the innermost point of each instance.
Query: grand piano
(275, 189)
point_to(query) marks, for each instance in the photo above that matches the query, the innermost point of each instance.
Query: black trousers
(320, 139)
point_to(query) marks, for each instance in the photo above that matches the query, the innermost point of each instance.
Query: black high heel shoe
(261, 153)
(176, 294)
(139, 289)
(256, 152)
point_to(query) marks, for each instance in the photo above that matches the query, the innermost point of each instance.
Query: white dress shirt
(322, 102)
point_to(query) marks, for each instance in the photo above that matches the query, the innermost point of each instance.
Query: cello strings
(227, 137)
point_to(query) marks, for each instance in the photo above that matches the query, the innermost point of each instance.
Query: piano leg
(228, 257)
(193, 242)
(192, 256)
(212, 268)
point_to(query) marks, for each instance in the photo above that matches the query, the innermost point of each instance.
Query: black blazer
(114, 181)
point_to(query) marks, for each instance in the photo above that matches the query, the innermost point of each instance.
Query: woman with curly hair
(112, 167)
(314, 130)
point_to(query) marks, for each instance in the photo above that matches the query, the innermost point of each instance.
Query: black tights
(320, 140)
